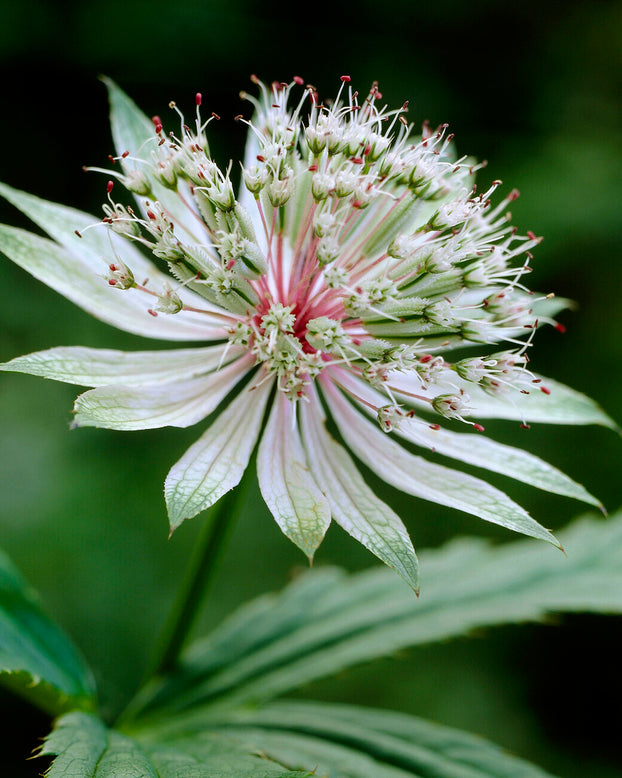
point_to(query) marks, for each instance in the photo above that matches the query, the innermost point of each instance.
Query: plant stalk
(197, 581)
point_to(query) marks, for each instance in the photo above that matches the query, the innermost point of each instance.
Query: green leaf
(37, 660)
(85, 748)
(343, 741)
(345, 620)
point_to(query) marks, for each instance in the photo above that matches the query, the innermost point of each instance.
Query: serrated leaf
(37, 660)
(345, 741)
(85, 748)
(352, 619)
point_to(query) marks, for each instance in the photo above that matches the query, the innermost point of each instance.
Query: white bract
(356, 259)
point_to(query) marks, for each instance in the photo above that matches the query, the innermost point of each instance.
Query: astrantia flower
(357, 260)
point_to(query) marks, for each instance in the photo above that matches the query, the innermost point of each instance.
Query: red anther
(113, 267)
(215, 116)
(78, 233)
(531, 235)
(356, 160)
(378, 94)
(560, 327)
(152, 312)
(497, 182)
(238, 117)
(525, 426)
(536, 381)
(426, 358)
(151, 215)
(514, 195)
(404, 121)
(125, 154)
(112, 282)
(312, 168)
(435, 426)
(109, 186)
(346, 79)
(231, 264)
(545, 390)
(198, 98)
(357, 204)
(478, 427)
(112, 159)
(366, 151)
(260, 158)
(298, 80)
(254, 78)
(275, 105)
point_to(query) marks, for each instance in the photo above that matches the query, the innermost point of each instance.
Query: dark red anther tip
(109, 186)
(298, 80)
(560, 327)
(346, 79)
(198, 98)
(531, 235)
(478, 427)
(545, 390)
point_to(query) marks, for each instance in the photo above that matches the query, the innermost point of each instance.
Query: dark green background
(534, 89)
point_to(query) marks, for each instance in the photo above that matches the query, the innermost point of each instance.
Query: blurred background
(531, 88)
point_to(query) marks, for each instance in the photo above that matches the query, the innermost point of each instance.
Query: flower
(356, 261)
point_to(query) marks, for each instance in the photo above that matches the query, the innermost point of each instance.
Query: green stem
(197, 581)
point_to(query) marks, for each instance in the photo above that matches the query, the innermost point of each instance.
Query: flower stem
(198, 579)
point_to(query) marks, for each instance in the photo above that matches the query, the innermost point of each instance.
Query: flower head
(357, 259)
